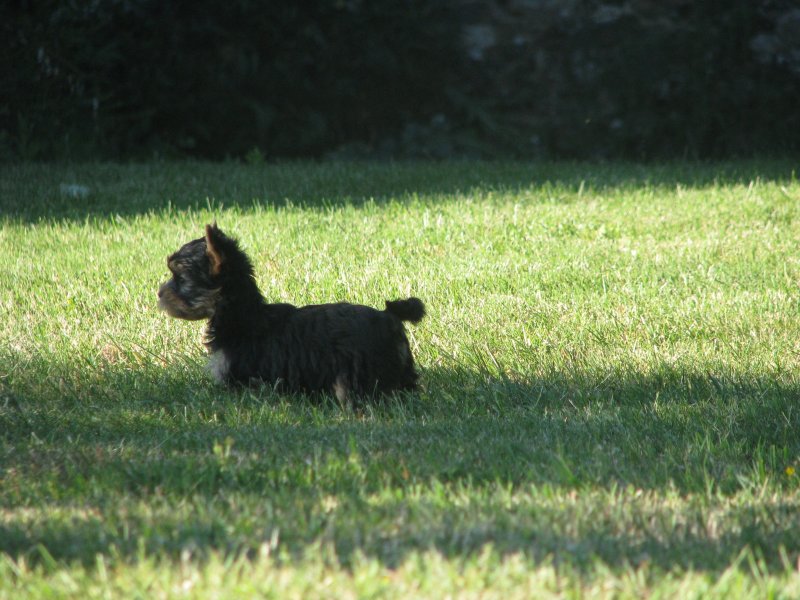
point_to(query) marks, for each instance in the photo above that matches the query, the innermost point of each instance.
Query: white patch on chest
(219, 366)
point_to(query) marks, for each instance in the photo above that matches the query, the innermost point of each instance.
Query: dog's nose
(160, 292)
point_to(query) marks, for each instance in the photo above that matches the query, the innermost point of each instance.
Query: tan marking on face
(170, 302)
(202, 306)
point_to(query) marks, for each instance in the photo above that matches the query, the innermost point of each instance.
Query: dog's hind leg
(341, 390)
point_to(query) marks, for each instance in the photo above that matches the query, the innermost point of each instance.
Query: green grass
(610, 362)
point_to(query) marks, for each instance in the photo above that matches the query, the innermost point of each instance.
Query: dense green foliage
(610, 371)
(400, 78)
(216, 79)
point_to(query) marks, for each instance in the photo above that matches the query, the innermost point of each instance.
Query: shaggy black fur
(347, 349)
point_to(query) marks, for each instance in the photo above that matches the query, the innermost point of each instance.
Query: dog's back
(349, 349)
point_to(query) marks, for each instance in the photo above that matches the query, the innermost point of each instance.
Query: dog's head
(199, 271)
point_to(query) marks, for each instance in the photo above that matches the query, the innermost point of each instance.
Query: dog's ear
(214, 238)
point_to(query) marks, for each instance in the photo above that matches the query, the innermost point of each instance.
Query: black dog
(347, 349)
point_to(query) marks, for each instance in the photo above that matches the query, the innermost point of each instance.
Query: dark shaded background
(399, 78)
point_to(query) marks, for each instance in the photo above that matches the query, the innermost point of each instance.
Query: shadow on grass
(160, 461)
(77, 192)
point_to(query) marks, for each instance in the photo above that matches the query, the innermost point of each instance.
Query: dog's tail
(411, 309)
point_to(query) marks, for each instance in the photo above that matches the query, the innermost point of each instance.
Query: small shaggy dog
(347, 349)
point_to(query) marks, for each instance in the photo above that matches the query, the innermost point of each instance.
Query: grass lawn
(610, 362)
